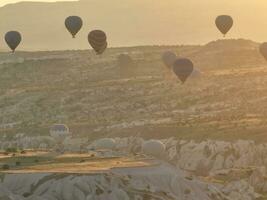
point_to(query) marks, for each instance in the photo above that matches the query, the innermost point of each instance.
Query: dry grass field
(47, 162)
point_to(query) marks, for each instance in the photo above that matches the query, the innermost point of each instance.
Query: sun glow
(4, 2)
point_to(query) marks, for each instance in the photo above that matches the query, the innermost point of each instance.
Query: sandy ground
(81, 163)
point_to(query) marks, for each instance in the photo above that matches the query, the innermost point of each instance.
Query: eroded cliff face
(238, 168)
(161, 181)
(183, 170)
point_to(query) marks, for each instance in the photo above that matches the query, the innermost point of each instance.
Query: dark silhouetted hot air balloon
(183, 68)
(13, 39)
(263, 50)
(126, 65)
(98, 40)
(73, 24)
(103, 48)
(196, 74)
(169, 58)
(224, 23)
(124, 60)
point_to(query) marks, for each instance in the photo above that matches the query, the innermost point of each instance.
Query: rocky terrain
(213, 127)
(96, 98)
(184, 170)
(160, 182)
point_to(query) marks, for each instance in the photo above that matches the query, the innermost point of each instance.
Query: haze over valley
(133, 100)
(131, 22)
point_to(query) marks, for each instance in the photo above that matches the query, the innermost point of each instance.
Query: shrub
(187, 191)
(11, 150)
(23, 152)
(5, 167)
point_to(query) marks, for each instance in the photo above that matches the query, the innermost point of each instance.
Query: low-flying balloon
(73, 24)
(103, 48)
(224, 23)
(263, 50)
(168, 58)
(196, 73)
(124, 60)
(60, 132)
(183, 68)
(153, 148)
(13, 39)
(98, 40)
(105, 144)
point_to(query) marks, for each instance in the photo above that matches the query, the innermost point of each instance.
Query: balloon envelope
(98, 40)
(13, 39)
(169, 58)
(224, 23)
(183, 68)
(263, 50)
(73, 24)
(196, 73)
(105, 143)
(103, 48)
(154, 148)
(59, 132)
(124, 60)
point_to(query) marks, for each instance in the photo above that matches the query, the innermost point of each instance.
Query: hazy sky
(132, 22)
(4, 2)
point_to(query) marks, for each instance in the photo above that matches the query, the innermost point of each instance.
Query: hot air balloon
(183, 68)
(263, 50)
(13, 39)
(124, 60)
(154, 148)
(196, 74)
(98, 40)
(168, 58)
(126, 65)
(59, 132)
(103, 48)
(105, 144)
(73, 24)
(224, 23)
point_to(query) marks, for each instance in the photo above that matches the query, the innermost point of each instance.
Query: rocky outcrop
(211, 155)
(239, 167)
(162, 181)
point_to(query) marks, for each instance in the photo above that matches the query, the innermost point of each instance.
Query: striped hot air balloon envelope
(98, 40)
(224, 23)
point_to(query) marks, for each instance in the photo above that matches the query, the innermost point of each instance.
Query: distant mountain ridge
(129, 22)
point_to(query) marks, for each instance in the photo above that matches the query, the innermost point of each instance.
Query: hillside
(130, 22)
(95, 97)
